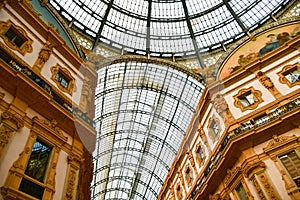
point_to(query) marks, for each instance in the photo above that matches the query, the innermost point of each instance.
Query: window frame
(26, 46)
(287, 69)
(32, 180)
(246, 91)
(212, 134)
(55, 70)
(285, 168)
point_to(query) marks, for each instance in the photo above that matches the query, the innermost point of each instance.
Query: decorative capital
(72, 157)
(12, 120)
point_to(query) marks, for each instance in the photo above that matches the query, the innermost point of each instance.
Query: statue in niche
(86, 96)
(43, 57)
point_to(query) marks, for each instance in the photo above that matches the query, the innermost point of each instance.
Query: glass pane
(251, 98)
(31, 188)
(292, 163)
(293, 76)
(241, 193)
(38, 161)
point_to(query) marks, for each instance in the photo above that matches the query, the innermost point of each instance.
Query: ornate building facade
(243, 143)
(220, 125)
(44, 110)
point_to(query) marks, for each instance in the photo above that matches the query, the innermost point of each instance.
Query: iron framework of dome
(167, 28)
(143, 110)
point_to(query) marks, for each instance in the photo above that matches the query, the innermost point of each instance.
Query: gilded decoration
(203, 137)
(278, 141)
(26, 47)
(43, 57)
(72, 157)
(232, 175)
(242, 93)
(267, 83)
(214, 128)
(86, 96)
(222, 109)
(295, 76)
(259, 190)
(71, 183)
(254, 167)
(13, 121)
(268, 39)
(51, 126)
(268, 187)
(71, 84)
(200, 159)
(9, 123)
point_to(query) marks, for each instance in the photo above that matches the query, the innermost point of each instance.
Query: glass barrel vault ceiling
(166, 27)
(142, 113)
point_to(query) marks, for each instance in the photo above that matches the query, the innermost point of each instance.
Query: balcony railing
(242, 129)
(45, 86)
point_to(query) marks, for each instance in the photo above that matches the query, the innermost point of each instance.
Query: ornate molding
(86, 96)
(278, 141)
(268, 188)
(2, 95)
(267, 83)
(223, 58)
(13, 121)
(198, 157)
(221, 106)
(71, 85)
(26, 47)
(257, 94)
(252, 168)
(50, 126)
(286, 69)
(72, 157)
(71, 184)
(43, 57)
(214, 135)
(259, 190)
(232, 175)
(9, 123)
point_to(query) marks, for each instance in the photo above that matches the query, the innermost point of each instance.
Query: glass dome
(167, 27)
(143, 110)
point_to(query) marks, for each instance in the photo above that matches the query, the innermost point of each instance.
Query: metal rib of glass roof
(142, 113)
(166, 27)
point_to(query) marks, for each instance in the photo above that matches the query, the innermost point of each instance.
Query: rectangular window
(200, 153)
(291, 162)
(62, 79)
(38, 161)
(292, 75)
(214, 126)
(247, 99)
(15, 37)
(189, 175)
(241, 192)
(31, 188)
